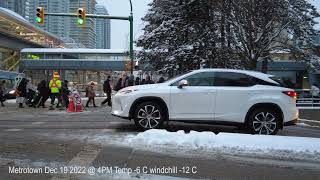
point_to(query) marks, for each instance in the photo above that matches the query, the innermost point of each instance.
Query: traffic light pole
(130, 19)
(131, 41)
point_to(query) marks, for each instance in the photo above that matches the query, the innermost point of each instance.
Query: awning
(9, 75)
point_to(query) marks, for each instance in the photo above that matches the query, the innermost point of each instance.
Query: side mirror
(183, 83)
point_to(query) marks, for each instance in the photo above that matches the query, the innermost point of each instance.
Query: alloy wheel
(265, 123)
(149, 117)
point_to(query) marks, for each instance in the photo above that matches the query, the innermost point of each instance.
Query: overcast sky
(120, 29)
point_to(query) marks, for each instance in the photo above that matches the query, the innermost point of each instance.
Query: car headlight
(12, 92)
(126, 91)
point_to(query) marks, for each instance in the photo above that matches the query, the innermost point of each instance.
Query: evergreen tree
(189, 34)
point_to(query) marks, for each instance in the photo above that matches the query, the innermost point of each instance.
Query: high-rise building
(84, 34)
(103, 29)
(18, 6)
(59, 26)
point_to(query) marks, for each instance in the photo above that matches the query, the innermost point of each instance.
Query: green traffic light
(80, 21)
(38, 19)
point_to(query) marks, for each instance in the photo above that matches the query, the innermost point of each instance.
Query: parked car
(219, 96)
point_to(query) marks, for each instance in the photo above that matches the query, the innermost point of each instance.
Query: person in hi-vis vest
(55, 87)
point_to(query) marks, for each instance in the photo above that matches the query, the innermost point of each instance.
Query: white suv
(219, 96)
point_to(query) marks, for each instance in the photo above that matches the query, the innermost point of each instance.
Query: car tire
(264, 121)
(148, 115)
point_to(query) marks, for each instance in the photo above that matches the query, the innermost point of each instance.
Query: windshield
(177, 76)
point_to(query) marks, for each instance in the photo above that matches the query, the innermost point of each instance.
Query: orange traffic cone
(79, 108)
(71, 107)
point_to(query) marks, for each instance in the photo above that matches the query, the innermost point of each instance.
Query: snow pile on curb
(259, 144)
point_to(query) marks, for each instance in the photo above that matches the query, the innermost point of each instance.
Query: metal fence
(307, 99)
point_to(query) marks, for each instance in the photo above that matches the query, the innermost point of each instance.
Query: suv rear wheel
(264, 121)
(148, 115)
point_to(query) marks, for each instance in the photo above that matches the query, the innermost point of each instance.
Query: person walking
(21, 92)
(143, 82)
(31, 93)
(161, 79)
(55, 87)
(65, 93)
(44, 93)
(149, 80)
(90, 94)
(131, 80)
(107, 89)
(2, 90)
(121, 83)
(137, 81)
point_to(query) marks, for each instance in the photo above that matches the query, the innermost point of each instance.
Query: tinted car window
(232, 79)
(262, 82)
(199, 79)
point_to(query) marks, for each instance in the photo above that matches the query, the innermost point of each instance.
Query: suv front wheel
(148, 115)
(264, 121)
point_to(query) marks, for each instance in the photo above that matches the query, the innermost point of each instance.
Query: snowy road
(39, 138)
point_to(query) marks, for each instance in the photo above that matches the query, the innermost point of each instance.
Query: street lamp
(131, 36)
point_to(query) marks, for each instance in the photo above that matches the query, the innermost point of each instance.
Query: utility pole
(131, 37)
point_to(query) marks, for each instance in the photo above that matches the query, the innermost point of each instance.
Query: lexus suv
(212, 96)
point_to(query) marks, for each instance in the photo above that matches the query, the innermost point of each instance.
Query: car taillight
(292, 94)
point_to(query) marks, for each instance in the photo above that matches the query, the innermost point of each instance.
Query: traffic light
(81, 16)
(40, 15)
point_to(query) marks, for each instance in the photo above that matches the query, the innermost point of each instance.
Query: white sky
(120, 29)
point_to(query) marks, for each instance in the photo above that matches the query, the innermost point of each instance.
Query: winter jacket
(107, 86)
(2, 89)
(43, 89)
(22, 88)
(118, 85)
(55, 85)
(64, 89)
(90, 91)
(131, 81)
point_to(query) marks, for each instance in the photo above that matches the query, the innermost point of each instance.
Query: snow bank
(227, 141)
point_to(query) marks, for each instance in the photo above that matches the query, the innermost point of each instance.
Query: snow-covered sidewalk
(273, 146)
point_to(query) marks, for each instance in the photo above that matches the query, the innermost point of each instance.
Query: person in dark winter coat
(22, 92)
(31, 93)
(143, 82)
(137, 81)
(161, 80)
(121, 83)
(148, 80)
(131, 81)
(2, 90)
(65, 93)
(107, 89)
(44, 93)
(118, 85)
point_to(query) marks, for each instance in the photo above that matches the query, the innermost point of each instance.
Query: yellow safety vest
(55, 85)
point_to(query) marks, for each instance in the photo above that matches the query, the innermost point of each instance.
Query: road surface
(40, 138)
